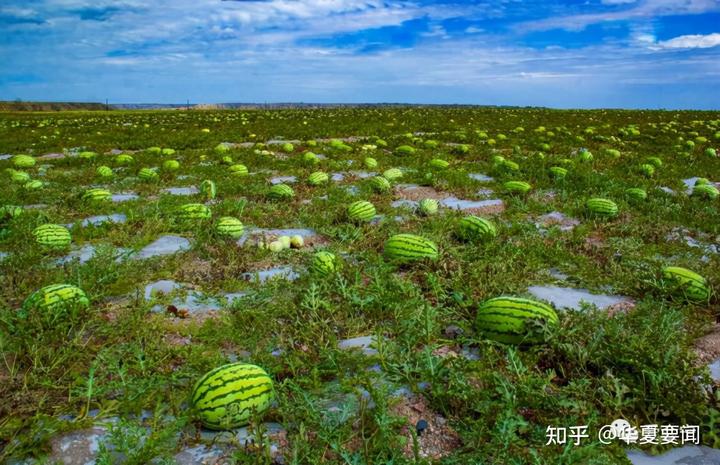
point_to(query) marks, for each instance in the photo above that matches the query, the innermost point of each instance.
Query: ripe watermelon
(52, 236)
(230, 227)
(438, 163)
(428, 207)
(324, 263)
(55, 297)
(636, 193)
(317, 178)
(370, 163)
(147, 174)
(602, 207)
(517, 187)
(238, 170)
(192, 212)
(407, 248)
(405, 150)
(504, 319)
(647, 169)
(124, 159)
(23, 161)
(361, 211)
(310, 158)
(558, 172)
(104, 171)
(228, 396)
(20, 176)
(380, 184)
(281, 192)
(33, 185)
(171, 165)
(707, 191)
(96, 195)
(474, 228)
(686, 283)
(392, 174)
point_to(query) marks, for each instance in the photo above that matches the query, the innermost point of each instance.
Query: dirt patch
(436, 439)
(708, 346)
(622, 307)
(474, 207)
(197, 271)
(417, 193)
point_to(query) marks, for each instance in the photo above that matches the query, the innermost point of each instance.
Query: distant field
(169, 232)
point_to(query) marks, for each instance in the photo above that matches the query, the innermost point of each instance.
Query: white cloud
(691, 41)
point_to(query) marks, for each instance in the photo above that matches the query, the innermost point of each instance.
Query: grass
(119, 359)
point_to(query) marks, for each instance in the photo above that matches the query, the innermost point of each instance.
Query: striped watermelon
(324, 263)
(147, 174)
(407, 248)
(55, 297)
(168, 151)
(684, 282)
(438, 163)
(238, 170)
(208, 189)
(10, 212)
(602, 207)
(310, 158)
(23, 161)
(230, 227)
(281, 192)
(707, 191)
(474, 228)
(647, 169)
(193, 211)
(701, 181)
(380, 184)
(558, 172)
(504, 319)
(53, 236)
(222, 148)
(361, 211)
(405, 150)
(96, 195)
(227, 160)
(287, 147)
(104, 171)
(636, 193)
(517, 187)
(317, 178)
(228, 396)
(613, 153)
(171, 165)
(33, 185)
(124, 159)
(428, 207)
(585, 155)
(87, 155)
(370, 163)
(392, 174)
(20, 176)
(655, 161)
(509, 165)
(153, 150)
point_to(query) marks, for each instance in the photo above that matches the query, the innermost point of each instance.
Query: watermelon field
(371, 285)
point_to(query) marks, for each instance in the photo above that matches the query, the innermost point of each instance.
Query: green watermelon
(281, 192)
(52, 236)
(124, 159)
(647, 169)
(428, 207)
(707, 191)
(405, 150)
(147, 174)
(228, 396)
(439, 164)
(317, 178)
(324, 263)
(33, 185)
(361, 211)
(208, 189)
(370, 163)
(558, 172)
(407, 248)
(684, 282)
(238, 170)
(504, 319)
(392, 174)
(96, 195)
(287, 147)
(221, 148)
(230, 227)
(191, 212)
(310, 158)
(655, 161)
(168, 151)
(474, 228)
(104, 171)
(23, 161)
(380, 184)
(87, 155)
(10, 212)
(602, 207)
(636, 193)
(171, 165)
(55, 297)
(20, 176)
(517, 187)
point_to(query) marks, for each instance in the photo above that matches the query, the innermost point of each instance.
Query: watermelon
(87, 155)
(647, 169)
(438, 163)
(96, 195)
(154, 150)
(222, 148)
(324, 263)
(707, 191)
(504, 319)
(227, 160)
(10, 212)
(612, 153)
(208, 189)
(370, 163)
(20, 176)
(585, 155)
(655, 161)
(636, 193)
(710, 152)
(23, 161)
(558, 172)
(191, 212)
(517, 187)
(404, 150)
(171, 165)
(104, 171)
(168, 151)
(461, 149)
(230, 227)
(124, 159)
(428, 207)
(317, 178)
(287, 147)
(601, 207)
(509, 165)
(407, 248)
(281, 192)
(474, 228)
(380, 184)
(147, 174)
(238, 170)
(361, 211)
(33, 185)
(392, 174)
(55, 297)
(228, 396)
(701, 181)
(686, 283)
(310, 158)
(52, 236)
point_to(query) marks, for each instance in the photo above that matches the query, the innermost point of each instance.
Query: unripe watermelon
(52, 236)
(281, 192)
(370, 163)
(208, 189)
(193, 212)
(317, 178)
(124, 159)
(517, 187)
(380, 184)
(686, 283)
(361, 211)
(428, 207)
(104, 171)
(392, 174)
(474, 228)
(238, 170)
(407, 248)
(602, 207)
(558, 172)
(23, 161)
(636, 193)
(55, 297)
(96, 195)
(405, 150)
(461, 149)
(230, 227)
(171, 165)
(439, 164)
(707, 191)
(228, 396)
(504, 319)
(324, 263)
(147, 174)
(509, 165)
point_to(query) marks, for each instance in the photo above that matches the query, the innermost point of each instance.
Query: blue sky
(579, 54)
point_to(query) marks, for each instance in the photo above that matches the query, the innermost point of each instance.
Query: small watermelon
(19, 176)
(635, 193)
(230, 227)
(517, 187)
(238, 170)
(124, 159)
(287, 147)
(707, 191)
(147, 174)
(310, 158)
(96, 195)
(52, 236)
(370, 163)
(171, 165)
(504, 319)
(317, 178)
(8, 212)
(474, 228)
(281, 192)
(361, 211)
(23, 161)
(405, 150)
(558, 172)
(428, 207)
(684, 282)
(208, 189)
(228, 396)
(87, 155)
(104, 171)
(193, 212)
(407, 248)
(439, 164)
(647, 169)
(601, 207)
(392, 174)
(55, 297)
(324, 263)
(33, 185)
(380, 184)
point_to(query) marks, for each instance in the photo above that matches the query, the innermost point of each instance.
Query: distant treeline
(50, 106)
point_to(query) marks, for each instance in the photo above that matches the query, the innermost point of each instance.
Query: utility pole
(107, 108)
(188, 104)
